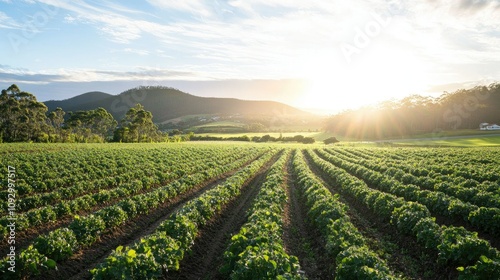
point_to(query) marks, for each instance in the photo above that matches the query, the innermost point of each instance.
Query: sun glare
(379, 75)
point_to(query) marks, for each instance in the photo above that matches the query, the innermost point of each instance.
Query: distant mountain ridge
(169, 103)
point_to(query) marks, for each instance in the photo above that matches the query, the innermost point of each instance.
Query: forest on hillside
(416, 114)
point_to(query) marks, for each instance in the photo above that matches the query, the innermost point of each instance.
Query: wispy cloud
(118, 27)
(136, 51)
(196, 7)
(478, 5)
(7, 22)
(143, 74)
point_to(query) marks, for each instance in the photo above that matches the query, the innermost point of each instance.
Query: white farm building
(487, 126)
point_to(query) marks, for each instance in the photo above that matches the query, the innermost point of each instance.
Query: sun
(330, 90)
(377, 76)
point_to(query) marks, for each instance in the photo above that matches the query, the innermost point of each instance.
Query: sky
(326, 55)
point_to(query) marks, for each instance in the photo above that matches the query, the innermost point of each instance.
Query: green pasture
(455, 142)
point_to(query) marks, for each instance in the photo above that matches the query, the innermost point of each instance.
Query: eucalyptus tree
(137, 126)
(22, 117)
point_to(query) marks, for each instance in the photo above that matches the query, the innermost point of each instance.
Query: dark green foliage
(342, 235)
(331, 140)
(58, 244)
(406, 217)
(112, 216)
(344, 241)
(456, 246)
(87, 125)
(29, 263)
(22, 117)
(462, 247)
(259, 139)
(56, 119)
(181, 228)
(128, 264)
(360, 263)
(488, 218)
(137, 126)
(175, 236)
(484, 268)
(428, 232)
(257, 251)
(87, 229)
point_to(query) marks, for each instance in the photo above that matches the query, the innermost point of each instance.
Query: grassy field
(456, 142)
(221, 124)
(455, 132)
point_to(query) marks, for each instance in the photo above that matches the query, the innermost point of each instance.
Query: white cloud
(70, 19)
(136, 51)
(196, 7)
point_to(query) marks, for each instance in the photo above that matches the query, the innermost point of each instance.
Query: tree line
(415, 114)
(258, 139)
(24, 119)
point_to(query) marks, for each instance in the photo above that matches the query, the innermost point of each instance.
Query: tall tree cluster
(56, 120)
(137, 126)
(462, 109)
(95, 124)
(24, 119)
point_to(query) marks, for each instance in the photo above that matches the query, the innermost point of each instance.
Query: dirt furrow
(301, 239)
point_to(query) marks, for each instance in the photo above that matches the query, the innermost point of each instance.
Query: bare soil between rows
(300, 237)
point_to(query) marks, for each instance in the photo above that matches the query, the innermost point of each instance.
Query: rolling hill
(169, 103)
(80, 102)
